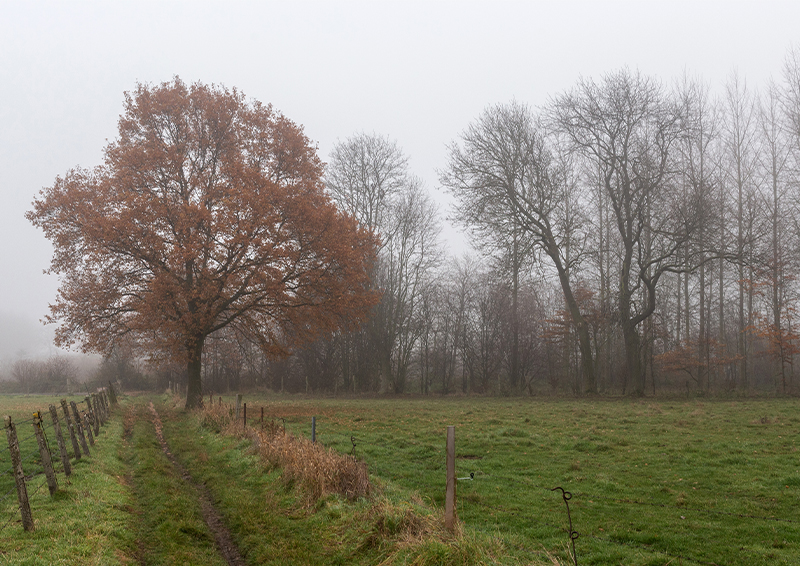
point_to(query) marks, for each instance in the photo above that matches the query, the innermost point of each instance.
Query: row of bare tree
(631, 237)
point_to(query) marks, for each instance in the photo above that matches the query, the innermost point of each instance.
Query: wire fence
(560, 521)
(37, 449)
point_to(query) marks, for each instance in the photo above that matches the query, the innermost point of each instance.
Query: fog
(417, 72)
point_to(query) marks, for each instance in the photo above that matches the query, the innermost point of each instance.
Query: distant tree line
(632, 237)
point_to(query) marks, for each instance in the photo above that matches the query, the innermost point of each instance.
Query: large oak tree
(209, 211)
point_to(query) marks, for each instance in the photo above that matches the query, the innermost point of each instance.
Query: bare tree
(365, 173)
(508, 184)
(740, 159)
(627, 125)
(778, 267)
(368, 176)
(699, 179)
(410, 255)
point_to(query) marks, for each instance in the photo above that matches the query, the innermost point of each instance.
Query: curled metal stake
(572, 533)
(470, 477)
(353, 450)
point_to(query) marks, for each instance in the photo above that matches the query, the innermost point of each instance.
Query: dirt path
(222, 536)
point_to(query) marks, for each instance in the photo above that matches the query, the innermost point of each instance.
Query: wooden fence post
(87, 423)
(112, 395)
(313, 429)
(62, 447)
(76, 449)
(100, 406)
(97, 415)
(19, 475)
(450, 516)
(244, 419)
(79, 426)
(238, 405)
(44, 452)
(91, 420)
(101, 398)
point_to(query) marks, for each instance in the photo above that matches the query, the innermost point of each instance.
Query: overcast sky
(417, 72)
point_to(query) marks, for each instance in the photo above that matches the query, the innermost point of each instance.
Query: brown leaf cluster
(208, 211)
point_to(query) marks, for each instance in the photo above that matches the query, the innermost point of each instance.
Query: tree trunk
(584, 339)
(194, 390)
(633, 357)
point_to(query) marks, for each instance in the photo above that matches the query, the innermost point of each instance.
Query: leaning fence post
(71, 427)
(87, 426)
(79, 426)
(112, 395)
(101, 407)
(44, 452)
(19, 475)
(87, 422)
(93, 421)
(62, 447)
(97, 414)
(101, 398)
(450, 493)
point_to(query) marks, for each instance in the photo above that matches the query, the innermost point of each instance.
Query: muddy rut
(222, 536)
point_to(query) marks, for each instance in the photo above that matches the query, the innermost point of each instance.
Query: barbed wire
(43, 483)
(8, 493)
(10, 520)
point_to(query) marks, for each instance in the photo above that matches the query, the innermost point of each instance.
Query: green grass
(86, 522)
(274, 524)
(653, 482)
(170, 528)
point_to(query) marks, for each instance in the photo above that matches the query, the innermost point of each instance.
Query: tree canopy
(209, 211)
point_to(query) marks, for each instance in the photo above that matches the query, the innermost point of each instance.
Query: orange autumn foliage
(209, 211)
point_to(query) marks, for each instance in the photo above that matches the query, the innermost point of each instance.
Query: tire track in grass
(227, 548)
(127, 434)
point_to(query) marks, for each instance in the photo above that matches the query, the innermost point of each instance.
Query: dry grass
(395, 528)
(318, 471)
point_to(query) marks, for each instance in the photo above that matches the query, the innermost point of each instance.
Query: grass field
(652, 482)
